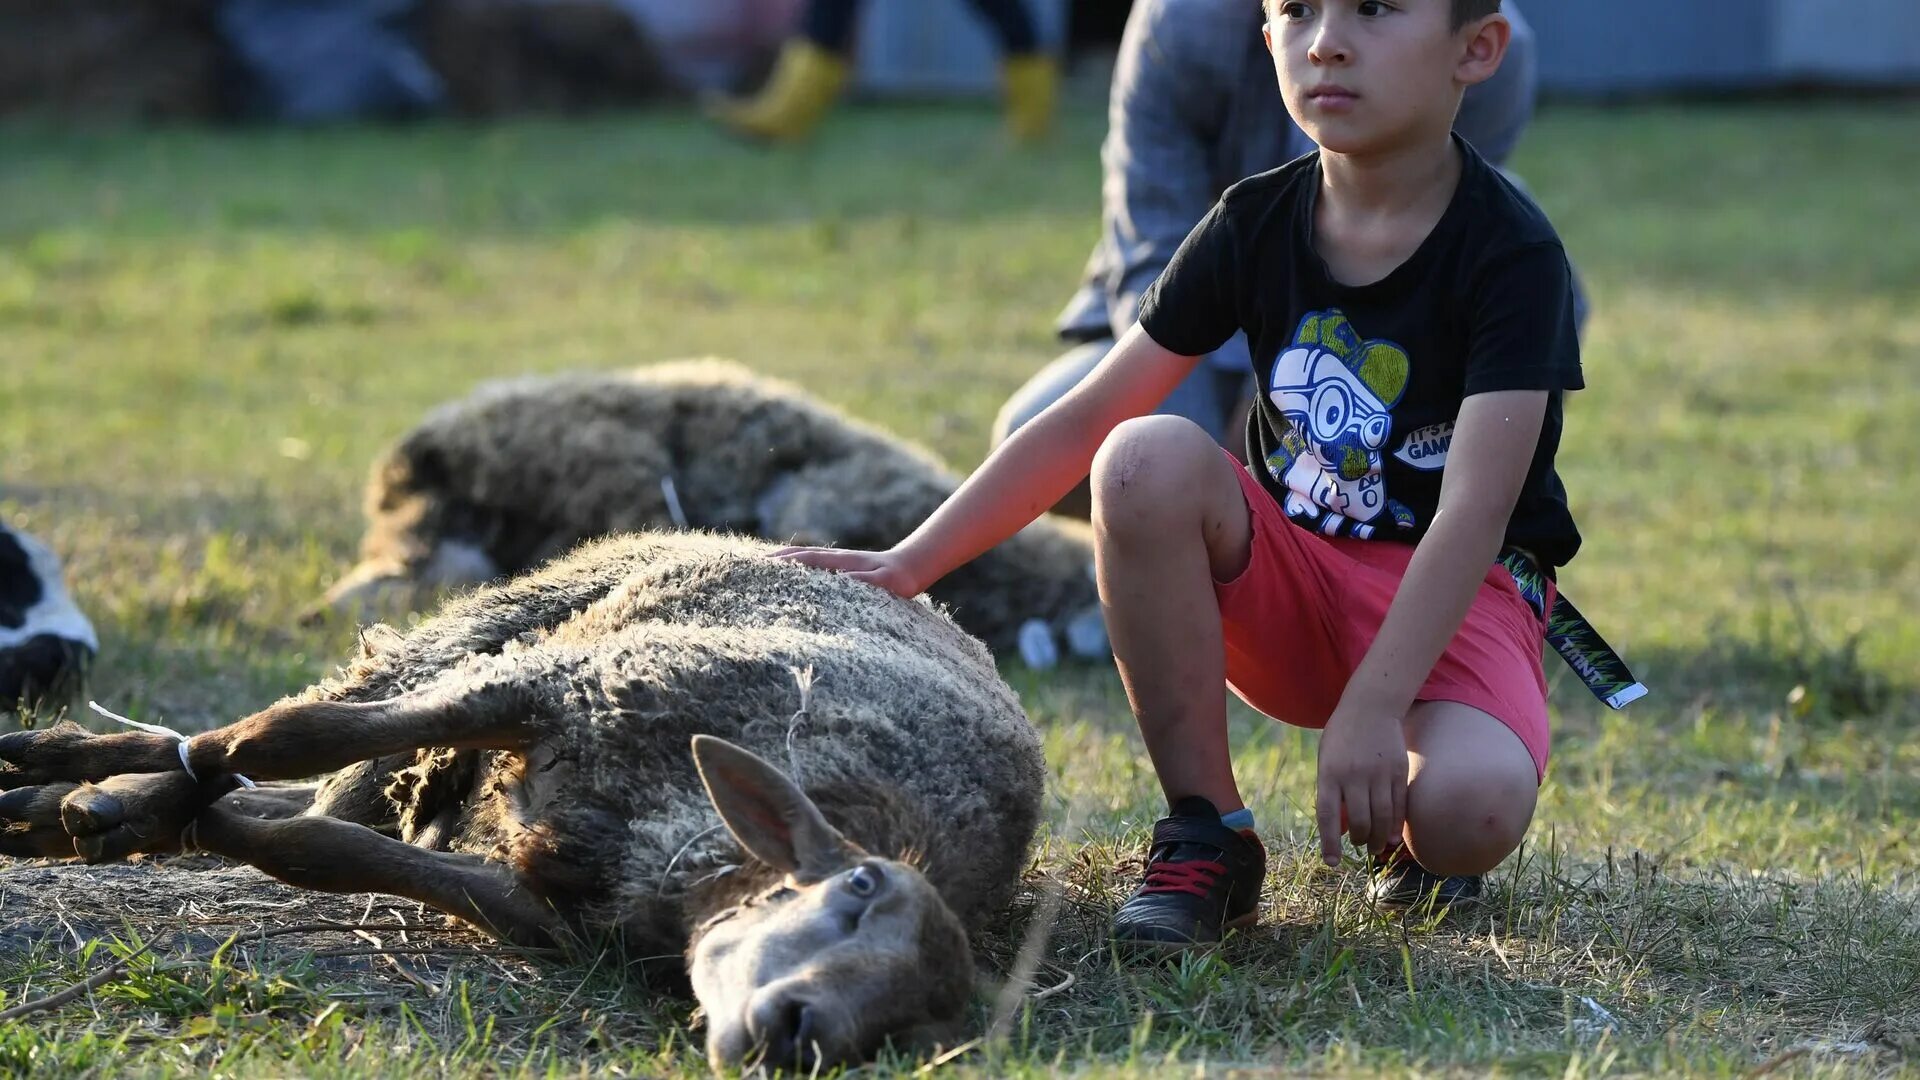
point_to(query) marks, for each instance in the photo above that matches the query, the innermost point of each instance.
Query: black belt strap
(1573, 637)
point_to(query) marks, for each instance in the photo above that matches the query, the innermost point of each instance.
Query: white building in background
(1651, 46)
(1587, 47)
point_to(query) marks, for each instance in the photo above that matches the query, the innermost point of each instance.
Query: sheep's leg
(339, 856)
(305, 738)
(156, 813)
(272, 800)
(284, 741)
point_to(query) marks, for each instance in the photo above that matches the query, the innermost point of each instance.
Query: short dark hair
(1464, 11)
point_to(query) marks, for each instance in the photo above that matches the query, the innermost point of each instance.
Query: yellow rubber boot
(805, 81)
(1031, 82)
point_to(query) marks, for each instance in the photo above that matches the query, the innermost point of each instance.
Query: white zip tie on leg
(162, 729)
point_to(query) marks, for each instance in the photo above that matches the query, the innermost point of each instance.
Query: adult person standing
(1193, 109)
(814, 65)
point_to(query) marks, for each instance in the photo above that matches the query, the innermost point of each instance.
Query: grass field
(205, 337)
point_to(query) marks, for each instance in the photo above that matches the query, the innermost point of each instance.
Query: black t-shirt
(1360, 385)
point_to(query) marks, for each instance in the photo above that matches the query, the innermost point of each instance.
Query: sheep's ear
(768, 813)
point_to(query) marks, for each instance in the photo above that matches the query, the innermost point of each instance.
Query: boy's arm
(1363, 759)
(1024, 475)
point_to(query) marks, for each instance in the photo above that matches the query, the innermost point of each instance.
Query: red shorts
(1305, 610)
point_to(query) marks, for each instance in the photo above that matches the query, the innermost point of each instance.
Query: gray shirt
(1195, 108)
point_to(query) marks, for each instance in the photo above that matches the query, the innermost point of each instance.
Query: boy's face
(1360, 76)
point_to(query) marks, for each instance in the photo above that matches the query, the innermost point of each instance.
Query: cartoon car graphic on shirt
(1335, 390)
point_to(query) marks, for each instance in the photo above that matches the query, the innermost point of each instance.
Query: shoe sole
(1172, 948)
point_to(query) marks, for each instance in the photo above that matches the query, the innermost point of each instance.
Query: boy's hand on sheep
(886, 569)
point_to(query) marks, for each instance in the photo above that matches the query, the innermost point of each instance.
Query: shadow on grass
(1558, 956)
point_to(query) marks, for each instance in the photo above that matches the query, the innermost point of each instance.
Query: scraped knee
(1150, 468)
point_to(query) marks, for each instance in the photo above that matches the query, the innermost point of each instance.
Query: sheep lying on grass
(522, 761)
(522, 470)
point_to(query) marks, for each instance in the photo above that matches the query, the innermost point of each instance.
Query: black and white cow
(46, 644)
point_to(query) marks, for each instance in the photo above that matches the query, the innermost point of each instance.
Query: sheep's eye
(863, 881)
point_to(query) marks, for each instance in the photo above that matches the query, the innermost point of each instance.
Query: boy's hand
(1363, 770)
(886, 569)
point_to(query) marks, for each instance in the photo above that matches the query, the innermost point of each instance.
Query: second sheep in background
(522, 470)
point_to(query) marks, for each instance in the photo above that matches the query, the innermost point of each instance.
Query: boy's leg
(1470, 796)
(1168, 521)
(1471, 786)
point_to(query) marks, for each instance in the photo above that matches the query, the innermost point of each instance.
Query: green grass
(207, 336)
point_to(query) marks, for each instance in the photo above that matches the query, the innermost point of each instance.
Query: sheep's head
(848, 952)
(387, 586)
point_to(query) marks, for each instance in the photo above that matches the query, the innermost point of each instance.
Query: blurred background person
(813, 68)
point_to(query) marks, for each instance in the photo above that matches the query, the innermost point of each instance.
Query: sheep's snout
(817, 974)
(791, 1031)
(381, 587)
(365, 589)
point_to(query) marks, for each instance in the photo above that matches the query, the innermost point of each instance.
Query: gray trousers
(1210, 397)
(1207, 397)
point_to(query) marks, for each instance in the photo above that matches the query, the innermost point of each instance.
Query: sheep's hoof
(1037, 647)
(127, 815)
(31, 758)
(30, 822)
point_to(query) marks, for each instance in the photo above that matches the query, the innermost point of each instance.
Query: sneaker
(1202, 879)
(1398, 881)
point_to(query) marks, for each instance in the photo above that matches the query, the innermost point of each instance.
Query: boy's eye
(1294, 10)
(1373, 7)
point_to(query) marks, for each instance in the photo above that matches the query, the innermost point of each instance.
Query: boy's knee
(1467, 824)
(1150, 461)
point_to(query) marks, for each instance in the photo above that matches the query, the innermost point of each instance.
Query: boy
(1411, 321)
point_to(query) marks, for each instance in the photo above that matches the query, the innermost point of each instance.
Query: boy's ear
(1484, 45)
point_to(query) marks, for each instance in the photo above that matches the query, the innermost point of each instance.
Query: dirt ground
(191, 905)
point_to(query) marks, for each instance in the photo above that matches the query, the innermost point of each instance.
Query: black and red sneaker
(1202, 879)
(1399, 881)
